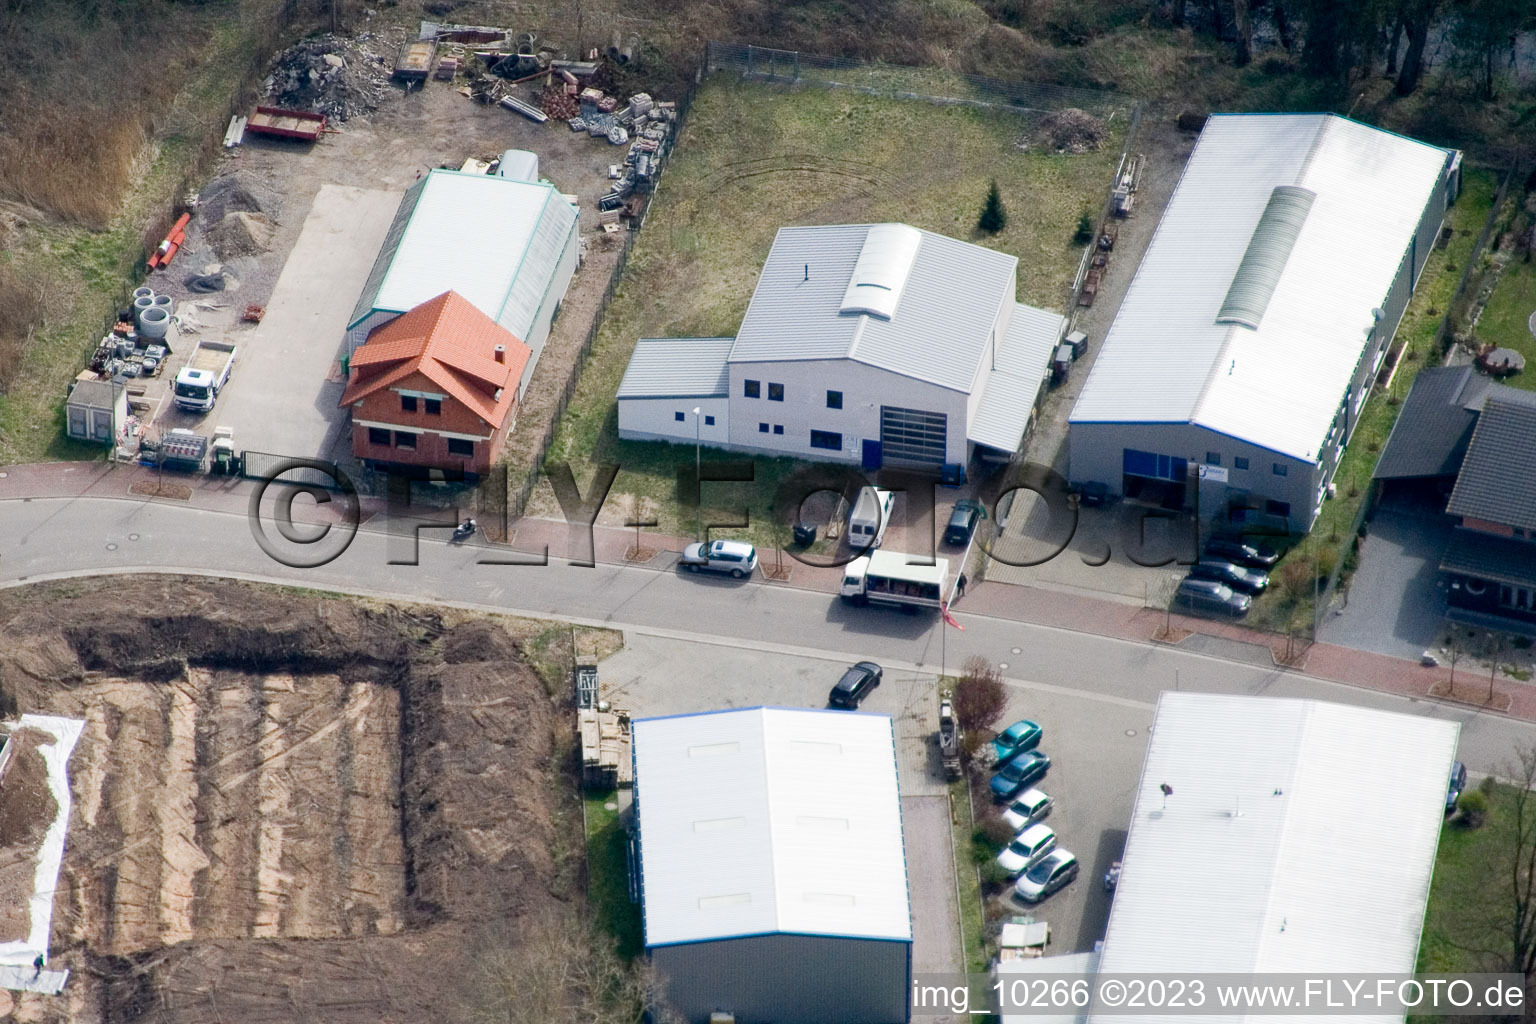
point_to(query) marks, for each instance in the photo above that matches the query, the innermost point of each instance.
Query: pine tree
(993, 217)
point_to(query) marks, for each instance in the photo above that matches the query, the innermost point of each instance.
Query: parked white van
(870, 516)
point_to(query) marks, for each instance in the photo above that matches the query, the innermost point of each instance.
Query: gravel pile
(332, 75)
(1073, 131)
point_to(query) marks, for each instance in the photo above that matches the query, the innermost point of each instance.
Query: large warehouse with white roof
(1253, 329)
(1294, 837)
(508, 246)
(772, 867)
(871, 344)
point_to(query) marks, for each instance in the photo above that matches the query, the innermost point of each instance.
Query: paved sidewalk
(1018, 603)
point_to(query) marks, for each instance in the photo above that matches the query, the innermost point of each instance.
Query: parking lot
(1096, 745)
(287, 381)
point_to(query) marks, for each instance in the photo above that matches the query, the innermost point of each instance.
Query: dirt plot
(286, 808)
(27, 808)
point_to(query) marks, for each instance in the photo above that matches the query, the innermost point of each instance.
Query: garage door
(912, 435)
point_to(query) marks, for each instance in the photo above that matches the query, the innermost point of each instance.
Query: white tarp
(22, 954)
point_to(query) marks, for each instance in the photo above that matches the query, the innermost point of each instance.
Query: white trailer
(884, 577)
(202, 378)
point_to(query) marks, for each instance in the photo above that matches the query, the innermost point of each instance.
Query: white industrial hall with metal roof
(508, 246)
(1295, 837)
(1252, 332)
(870, 344)
(773, 873)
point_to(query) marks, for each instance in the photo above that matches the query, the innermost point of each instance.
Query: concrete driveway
(282, 397)
(1396, 601)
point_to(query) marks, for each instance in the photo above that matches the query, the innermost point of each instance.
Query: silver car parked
(729, 556)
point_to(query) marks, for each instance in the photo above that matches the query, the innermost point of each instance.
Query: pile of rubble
(1073, 131)
(331, 75)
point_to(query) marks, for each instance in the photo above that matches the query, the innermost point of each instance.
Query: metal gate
(263, 466)
(912, 435)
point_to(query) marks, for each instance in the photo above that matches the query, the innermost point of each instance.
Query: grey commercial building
(869, 344)
(772, 869)
(1236, 368)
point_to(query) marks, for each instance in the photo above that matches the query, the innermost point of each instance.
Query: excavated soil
(27, 808)
(286, 807)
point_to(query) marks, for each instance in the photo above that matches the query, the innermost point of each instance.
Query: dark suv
(855, 685)
(1255, 556)
(962, 522)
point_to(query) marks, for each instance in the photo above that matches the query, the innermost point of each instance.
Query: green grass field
(89, 273)
(1466, 927)
(608, 875)
(1329, 538)
(1504, 320)
(754, 158)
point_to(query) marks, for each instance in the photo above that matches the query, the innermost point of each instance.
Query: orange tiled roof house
(435, 388)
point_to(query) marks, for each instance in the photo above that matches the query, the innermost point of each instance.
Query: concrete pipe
(615, 46)
(139, 293)
(627, 51)
(142, 303)
(154, 322)
(164, 301)
(525, 44)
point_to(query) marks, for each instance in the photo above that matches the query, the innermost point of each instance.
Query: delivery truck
(207, 369)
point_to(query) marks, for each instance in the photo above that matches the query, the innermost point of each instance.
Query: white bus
(884, 577)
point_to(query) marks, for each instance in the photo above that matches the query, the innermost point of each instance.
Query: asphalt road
(88, 536)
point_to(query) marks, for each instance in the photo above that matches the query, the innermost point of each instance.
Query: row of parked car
(1229, 575)
(1032, 858)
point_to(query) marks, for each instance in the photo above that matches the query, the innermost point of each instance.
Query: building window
(1281, 469)
(709, 421)
(1213, 458)
(434, 406)
(406, 440)
(835, 400)
(751, 388)
(1238, 462)
(775, 392)
(827, 439)
(1519, 598)
(762, 428)
(407, 403)
(457, 446)
(678, 417)
(378, 435)
(1278, 508)
(778, 428)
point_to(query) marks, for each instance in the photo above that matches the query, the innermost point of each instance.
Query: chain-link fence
(899, 81)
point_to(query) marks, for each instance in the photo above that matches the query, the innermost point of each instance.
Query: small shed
(96, 411)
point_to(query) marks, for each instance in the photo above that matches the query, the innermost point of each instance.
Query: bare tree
(979, 696)
(1416, 17)
(559, 967)
(1522, 871)
(1242, 22)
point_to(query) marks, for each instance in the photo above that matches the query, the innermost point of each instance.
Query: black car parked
(962, 522)
(1255, 556)
(1239, 578)
(855, 685)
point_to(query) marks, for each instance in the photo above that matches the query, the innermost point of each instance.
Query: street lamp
(698, 475)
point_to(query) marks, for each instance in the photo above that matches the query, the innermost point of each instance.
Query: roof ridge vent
(1268, 251)
(884, 264)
